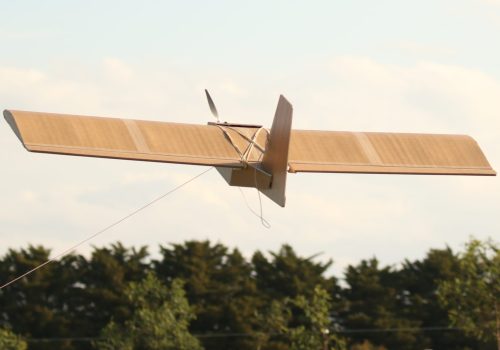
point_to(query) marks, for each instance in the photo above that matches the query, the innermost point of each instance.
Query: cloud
(22, 35)
(16, 77)
(418, 49)
(348, 217)
(492, 2)
(117, 70)
(34, 89)
(424, 96)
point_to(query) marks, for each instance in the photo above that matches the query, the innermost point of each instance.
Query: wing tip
(9, 118)
(492, 171)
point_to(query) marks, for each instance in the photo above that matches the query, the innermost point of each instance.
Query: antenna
(211, 104)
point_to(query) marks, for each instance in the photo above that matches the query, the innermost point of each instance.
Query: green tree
(104, 278)
(284, 276)
(10, 341)
(220, 288)
(271, 324)
(473, 296)
(373, 299)
(418, 284)
(309, 329)
(287, 275)
(314, 330)
(366, 345)
(41, 305)
(160, 319)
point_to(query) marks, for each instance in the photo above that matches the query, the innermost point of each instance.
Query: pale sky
(407, 66)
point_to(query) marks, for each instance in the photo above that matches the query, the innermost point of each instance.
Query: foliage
(287, 275)
(373, 303)
(104, 279)
(219, 286)
(239, 303)
(41, 304)
(473, 295)
(418, 282)
(160, 319)
(314, 331)
(10, 341)
(270, 323)
(366, 345)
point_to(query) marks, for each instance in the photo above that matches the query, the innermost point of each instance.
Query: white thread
(69, 250)
(231, 141)
(252, 142)
(253, 139)
(263, 221)
(244, 159)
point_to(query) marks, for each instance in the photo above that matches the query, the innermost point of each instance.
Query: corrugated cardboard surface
(355, 152)
(310, 151)
(123, 139)
(275, 159)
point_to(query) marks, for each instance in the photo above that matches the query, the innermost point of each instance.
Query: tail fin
(275, 159)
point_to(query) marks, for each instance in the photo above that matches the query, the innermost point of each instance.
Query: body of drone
(250, 155)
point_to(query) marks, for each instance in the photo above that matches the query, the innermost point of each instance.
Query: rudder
(275, 160)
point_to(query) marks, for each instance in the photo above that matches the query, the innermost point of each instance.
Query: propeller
(211, 104)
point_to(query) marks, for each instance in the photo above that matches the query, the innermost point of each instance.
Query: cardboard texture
(255, 157)
(386, 153)
(275, 160)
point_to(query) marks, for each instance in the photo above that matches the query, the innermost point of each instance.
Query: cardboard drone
(250, 155)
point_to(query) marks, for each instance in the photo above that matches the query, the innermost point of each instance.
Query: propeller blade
(212, 105)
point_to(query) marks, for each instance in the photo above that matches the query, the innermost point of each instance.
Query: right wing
(386, 153)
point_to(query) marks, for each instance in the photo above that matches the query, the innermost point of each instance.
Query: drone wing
(386, 153)
(126, 139)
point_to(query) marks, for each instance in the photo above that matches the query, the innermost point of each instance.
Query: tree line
(204, 295)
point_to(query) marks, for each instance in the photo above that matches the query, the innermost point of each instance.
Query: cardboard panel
(123, 139)
(275, 159)
(386, 153)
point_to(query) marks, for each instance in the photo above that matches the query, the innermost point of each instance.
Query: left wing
(131, 139)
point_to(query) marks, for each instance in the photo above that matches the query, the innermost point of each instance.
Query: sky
(396, 66)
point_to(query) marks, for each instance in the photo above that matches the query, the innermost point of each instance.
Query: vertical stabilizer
(275, 159)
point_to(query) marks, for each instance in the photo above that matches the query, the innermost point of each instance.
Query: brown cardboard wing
(132, 139)
(386, 153)
(309, 151)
